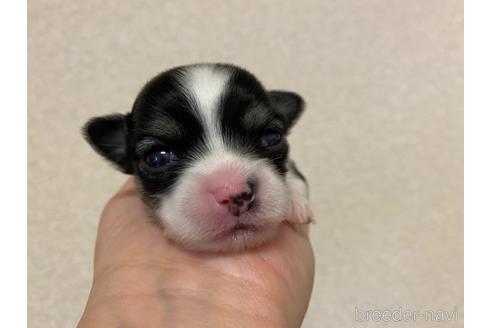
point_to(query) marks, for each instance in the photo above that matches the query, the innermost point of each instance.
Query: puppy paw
(301, 211)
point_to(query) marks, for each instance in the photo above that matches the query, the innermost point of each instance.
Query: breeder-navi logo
(405, 315)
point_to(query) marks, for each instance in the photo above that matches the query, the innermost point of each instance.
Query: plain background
(381, 141)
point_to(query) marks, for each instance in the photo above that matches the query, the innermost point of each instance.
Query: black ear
(289, 104)
(108, 135)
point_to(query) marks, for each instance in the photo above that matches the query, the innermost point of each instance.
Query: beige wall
(381, 140)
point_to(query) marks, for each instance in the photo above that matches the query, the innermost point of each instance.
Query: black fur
(108, 135)
(246, 114)
(288, 104)
(164, 114)
(167, 115)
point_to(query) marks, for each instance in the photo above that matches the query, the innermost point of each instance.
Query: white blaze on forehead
(207, 83)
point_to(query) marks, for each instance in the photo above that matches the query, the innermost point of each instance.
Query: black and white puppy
(207, 145)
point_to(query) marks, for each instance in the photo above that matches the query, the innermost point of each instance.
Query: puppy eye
(159, 157)
(271, 139)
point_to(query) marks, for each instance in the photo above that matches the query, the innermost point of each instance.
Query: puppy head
(207, 146)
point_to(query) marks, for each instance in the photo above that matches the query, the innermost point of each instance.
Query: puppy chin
(232, 240)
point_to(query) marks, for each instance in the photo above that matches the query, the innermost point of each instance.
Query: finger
(300, 229)
(128, 186)
(123, 205)
(129, 189)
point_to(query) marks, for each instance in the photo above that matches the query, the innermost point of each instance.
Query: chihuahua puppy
(207, 146)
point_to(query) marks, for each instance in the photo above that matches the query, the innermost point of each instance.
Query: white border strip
(13, 233)
(478, 163)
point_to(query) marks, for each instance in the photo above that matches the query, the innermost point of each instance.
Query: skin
(142, 279)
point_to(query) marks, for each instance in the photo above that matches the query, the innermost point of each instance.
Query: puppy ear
(108, 135)
(288, 104)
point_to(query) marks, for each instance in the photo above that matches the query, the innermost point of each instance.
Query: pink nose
(238, 199)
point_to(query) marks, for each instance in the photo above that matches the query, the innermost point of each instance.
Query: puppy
(207, 146)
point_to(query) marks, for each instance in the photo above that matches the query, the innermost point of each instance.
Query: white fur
(206, 84)
(296, 184)
(186, 224)
(300, 207)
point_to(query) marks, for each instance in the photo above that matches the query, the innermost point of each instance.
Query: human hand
(142, 279)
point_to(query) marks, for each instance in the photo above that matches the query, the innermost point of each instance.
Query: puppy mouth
(240, 230)
(242, 227)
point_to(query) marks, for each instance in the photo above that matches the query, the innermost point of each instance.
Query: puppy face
(207, 146)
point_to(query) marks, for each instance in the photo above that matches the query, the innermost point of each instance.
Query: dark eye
(271, 139)
(159, 157)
